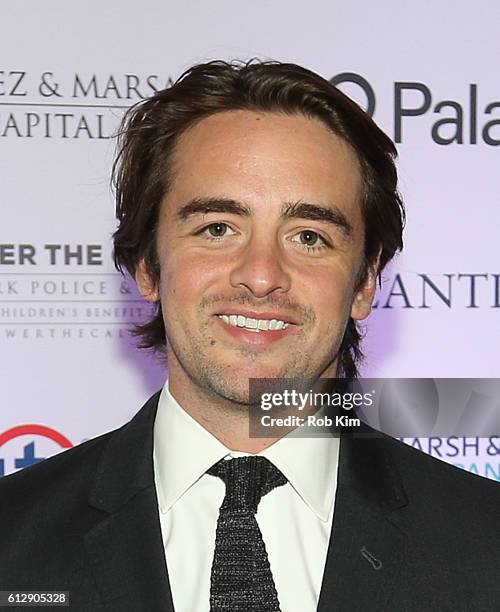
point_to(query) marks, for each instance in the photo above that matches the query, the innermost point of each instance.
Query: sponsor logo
(472, 453)
(79, 299)
(446, 291)
(25, 445)
(468, 120)
(78, 106)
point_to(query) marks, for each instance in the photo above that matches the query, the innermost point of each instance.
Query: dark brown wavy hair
(151, 129)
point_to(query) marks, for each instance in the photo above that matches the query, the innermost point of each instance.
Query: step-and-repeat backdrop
(427, 72)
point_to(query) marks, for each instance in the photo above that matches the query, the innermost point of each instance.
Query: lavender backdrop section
(69, 371)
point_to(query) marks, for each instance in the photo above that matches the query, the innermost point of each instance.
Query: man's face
(261, 222)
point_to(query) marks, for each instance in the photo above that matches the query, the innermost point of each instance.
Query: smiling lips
(253, 330)
(254, 325)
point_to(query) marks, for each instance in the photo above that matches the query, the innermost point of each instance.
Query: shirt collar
(184, 451)
(310, 466)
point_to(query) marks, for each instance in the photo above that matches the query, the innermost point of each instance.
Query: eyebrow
(317, 212)
(289, 210)
(203, 206)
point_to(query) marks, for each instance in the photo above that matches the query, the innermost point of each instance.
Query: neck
(225, 419)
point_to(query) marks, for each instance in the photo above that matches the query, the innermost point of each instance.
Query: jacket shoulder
(445, 495)
(47, 510)
(69, 474)
(65, 473)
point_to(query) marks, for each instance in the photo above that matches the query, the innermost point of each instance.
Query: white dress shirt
(295, 519)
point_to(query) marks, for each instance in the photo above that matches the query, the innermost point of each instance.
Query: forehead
(260, 158)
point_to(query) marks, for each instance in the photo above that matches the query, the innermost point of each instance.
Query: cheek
(186, 277)
(330, 293)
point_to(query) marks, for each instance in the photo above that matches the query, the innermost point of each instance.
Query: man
(257, 206)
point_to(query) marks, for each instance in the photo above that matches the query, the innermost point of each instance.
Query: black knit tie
(241, 579)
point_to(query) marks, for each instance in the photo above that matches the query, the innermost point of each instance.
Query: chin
(235, 387)
(232, 392)
(245, 375)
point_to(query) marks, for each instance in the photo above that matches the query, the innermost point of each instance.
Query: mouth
(253, 324)
(257, 328)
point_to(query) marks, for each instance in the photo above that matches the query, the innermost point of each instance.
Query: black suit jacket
(409, 532)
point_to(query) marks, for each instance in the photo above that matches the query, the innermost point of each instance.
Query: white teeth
(255, 325)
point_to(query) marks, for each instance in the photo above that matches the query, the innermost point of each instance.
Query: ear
(145, 284)
(363, 298)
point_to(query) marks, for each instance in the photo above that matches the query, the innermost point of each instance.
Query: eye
(216, 231)
(310, 240)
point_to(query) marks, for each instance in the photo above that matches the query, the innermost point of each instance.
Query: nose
(259, 267)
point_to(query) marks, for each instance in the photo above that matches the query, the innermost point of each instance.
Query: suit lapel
(125, 548)
(367, 546)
